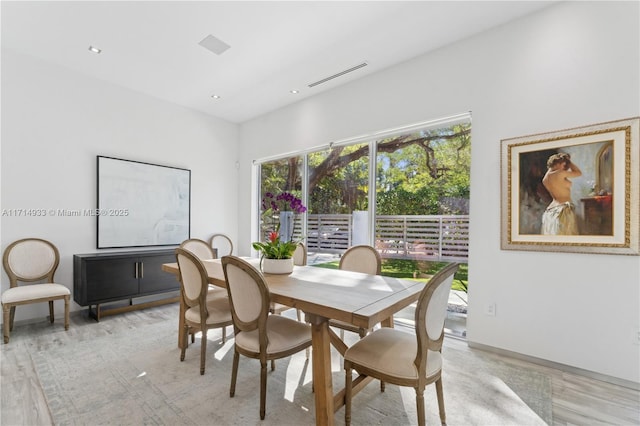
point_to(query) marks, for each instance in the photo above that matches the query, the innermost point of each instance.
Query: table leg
(322, 381)
(387, 322)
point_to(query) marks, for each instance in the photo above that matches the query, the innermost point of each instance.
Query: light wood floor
(576, 400)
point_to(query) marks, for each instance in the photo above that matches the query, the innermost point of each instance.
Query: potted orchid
(279, 245)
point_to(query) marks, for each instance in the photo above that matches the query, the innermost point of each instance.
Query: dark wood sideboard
(100, 278)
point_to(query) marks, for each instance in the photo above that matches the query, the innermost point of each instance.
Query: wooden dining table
(322, 294)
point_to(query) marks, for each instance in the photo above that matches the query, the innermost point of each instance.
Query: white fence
(402, 237)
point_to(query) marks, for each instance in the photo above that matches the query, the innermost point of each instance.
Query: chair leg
(203, 350)
(348, 394)
(6, 319)
(51, 317)
(185, 339)
(440, 394)
(224, 335)
(420, 406)
(298, 314)
(263, 389)
(234, 373)
(66, 312)
(13, 315)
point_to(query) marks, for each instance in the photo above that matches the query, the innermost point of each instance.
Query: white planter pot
(277, 266)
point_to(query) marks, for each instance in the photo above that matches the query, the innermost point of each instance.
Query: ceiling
(153, 47)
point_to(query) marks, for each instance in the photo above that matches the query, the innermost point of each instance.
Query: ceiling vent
(214, 44)
(341, 73)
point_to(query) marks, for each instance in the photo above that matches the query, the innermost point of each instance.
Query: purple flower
(285, 201)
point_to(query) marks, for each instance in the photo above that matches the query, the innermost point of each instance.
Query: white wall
(570, 65)
(54, 124)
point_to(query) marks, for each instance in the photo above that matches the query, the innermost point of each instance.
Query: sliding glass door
(277, 179)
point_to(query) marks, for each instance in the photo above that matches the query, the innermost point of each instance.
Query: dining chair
(201, 312)
(404, 359)
(203, 251)
(364, 259)
(31, 260)
(258, 335)
(200, 248)
(221, 245)
(299, 259)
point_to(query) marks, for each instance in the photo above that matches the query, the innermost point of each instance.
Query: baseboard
(558, 366)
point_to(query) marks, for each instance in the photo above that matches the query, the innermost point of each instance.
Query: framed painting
(575, 190)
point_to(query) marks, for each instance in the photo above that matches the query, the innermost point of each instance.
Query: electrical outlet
(635, 335)
(490, 310)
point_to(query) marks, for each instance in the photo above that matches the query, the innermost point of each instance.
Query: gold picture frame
(594, 174)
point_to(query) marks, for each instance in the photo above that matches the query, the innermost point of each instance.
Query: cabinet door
(154, 279)
(111, 279)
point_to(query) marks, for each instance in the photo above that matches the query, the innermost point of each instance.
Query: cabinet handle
(135, 272)
(141, 269)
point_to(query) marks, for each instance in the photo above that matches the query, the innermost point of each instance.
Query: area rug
(136, 378)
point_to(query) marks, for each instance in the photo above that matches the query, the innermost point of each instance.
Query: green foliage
(282, 176)
(424, 179)
(276, 249)
(426, 172)
(343, 190)
(420, 270)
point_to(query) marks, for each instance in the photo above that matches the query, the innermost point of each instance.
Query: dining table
(322, 294)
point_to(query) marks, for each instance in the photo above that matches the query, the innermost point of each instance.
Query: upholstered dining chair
(257, 334)
(221, 244)
(404, 359)
(31, 260)
(361, 258)
(200, 248)
(201, 312)
(203, 251)
(299, 259)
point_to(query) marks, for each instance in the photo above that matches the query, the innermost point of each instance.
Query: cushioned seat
(202, 310)
(217, 310)
(34, 291)
(203, 251)
(405, 359)
(283, 335)
(258, 334)
(393, 352)
(31, 260)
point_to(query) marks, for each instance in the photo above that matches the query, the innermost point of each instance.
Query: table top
(360, 299)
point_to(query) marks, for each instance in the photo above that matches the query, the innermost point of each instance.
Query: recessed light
(94, 49)
(215, 96)
(294, 91)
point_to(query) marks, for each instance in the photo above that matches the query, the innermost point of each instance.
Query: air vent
(214, 44)
(341, 73)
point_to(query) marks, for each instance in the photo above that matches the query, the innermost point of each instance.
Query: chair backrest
(221, 244)
(431, 313)
(248, 295)
(198, 247)
(363, 258)
(29, 260)
(193, 280)
(300, 255)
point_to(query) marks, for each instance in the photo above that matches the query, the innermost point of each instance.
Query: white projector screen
(141, 204)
